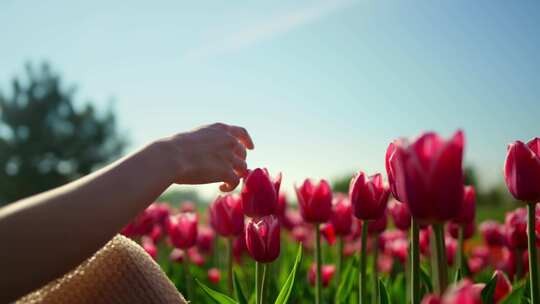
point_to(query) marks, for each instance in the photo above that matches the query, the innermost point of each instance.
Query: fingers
(231, 181)
(240, 133)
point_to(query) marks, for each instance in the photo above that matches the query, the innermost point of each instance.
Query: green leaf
(347, 280)
(489, 289)
(458, 276)
(286, 289)
(426, 280)
(240, 296)
(515, 296)
(215, 295)
(384, 298)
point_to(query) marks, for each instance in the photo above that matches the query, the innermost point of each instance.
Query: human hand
(213, 153)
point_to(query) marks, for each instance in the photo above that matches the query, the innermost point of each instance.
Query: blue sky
(323, 86)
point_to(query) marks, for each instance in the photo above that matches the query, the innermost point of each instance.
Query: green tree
(46, 139)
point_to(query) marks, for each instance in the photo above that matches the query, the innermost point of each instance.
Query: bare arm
(46, 235)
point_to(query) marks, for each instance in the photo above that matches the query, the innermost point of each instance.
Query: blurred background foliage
(47, 138)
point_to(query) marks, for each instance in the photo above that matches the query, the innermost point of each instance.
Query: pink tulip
(468, 210)
(260, 193)
(226, 216)
(239, 247)
(464, 292)
(205, 239)
(315, 201)
(329, 234)
(156, 234)
(493, 233)
(379, 225)
(503, 286)
(427, 175)
(195, 256)
(341, 217)
(177, 255)
(453, 230)
(368, 196)
(400, 214)
(516, 228)
(214, 275)
(522, 170)
(263, 238)
(327, 272)
(149, 246)
(182, 230)
(431, 298)
(451, 248)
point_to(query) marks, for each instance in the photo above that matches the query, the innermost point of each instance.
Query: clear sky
(323, 86)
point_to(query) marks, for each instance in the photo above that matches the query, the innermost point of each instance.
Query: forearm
(46, 235)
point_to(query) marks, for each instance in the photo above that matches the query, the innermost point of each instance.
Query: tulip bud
(214, 275)
(156, 233)
(451, 248)
(522, 170)
(262, 238)
(427, 175)
(493, 233)
(327, 272)
(282, 205)
(341, 217)
(503, 286)
(329, 234)
(431, 299)
(260, 193)
(400, 215)
(468, 208)
(463, 292)
(226, 216)
(205, 239)
(195, 256)
(516, 228)
(176, 255)
(315, 201)
(368, 196)
(453, 230)
(182, 230)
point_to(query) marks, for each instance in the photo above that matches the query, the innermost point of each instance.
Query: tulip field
(407, 235)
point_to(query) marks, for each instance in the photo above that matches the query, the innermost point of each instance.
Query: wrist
(165, 156)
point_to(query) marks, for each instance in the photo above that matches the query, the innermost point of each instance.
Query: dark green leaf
(489, 289)
(515, 296)
(240, 296)
(286, 289)
(215, 295)
(426, 280)
(383, 293)
(347, 281)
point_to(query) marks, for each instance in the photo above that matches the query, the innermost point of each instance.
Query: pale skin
(47, 235)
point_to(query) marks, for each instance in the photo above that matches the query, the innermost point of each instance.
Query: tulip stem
(460, 252)
(318, 286)
(440, 265)
(187, 276)
(374, 271)
(262, 283)
(363, 261)
(259, 273)
(340, 259)
(415, 262)
(533, 266)
(230, 265)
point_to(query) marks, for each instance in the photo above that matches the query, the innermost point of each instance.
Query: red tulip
(427, 175)
(467, 212)
(424, 241)
(464, 292)
(260, 193)
(329, 234)
(451, 248)
(195, 256)
(327, 272)
(493, 233)
(149, 246)
(379, 225)
(368, 196)
(453, 229)
(291, 219)
(156, 234)
(300, 234)
(158, 212)
(262, 238)
(176, 255)
(400, 215)
(479, 259)
(341, 217)
(431, 298)
(282, 205)
(522, 170)
(226, 216)
(182, 230)
(214, 275)
(205, 239)
(399, 249)
(315, 201)
(239, 247)
(516, 228)
(503, 286)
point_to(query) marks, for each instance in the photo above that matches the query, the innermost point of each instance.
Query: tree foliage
(46, 138)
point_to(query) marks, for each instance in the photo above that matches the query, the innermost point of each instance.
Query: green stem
(374, 271)
(460, 253)
(258, 283)
(187, 276)
(415, 262)
(230, 265)
(363, 261)
(262, 283)
(440, 258)
(533, 266)
(318, 285)
(340, 259)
